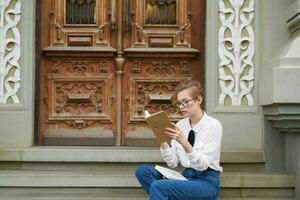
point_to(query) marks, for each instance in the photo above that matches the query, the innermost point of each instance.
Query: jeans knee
(155, 186)
(157, 190)
(141, 170)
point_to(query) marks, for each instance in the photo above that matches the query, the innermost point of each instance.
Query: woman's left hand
(176, 134)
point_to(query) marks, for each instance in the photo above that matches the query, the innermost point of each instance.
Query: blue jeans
(201, 185)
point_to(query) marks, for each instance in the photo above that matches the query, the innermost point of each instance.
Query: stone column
(231, 71)
(17, 44)
(280, 98)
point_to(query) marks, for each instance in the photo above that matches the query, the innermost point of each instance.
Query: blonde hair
(194, 87)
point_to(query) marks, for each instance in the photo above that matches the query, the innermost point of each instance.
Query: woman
(195, 144)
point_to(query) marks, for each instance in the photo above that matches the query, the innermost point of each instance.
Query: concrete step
(103, 183)
(115, 194)
(98, 158)
(23, 178)
(120, 198)
(102, 173)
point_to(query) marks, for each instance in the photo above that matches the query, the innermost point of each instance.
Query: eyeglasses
(184, 102)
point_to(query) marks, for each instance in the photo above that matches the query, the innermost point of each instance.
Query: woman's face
(188, 105)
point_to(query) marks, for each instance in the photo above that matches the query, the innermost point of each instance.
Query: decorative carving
(138, 35)
(79, 124)
(185, 69)
(169, 16)
(72, 17)
(146, 89)
(10, 51)
(161, 68)
(136, 69)
(92, 89)
(103, 67)
(182, 36)
(81, 67)
(236, 52)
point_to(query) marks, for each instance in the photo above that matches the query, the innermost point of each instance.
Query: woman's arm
(169, 155)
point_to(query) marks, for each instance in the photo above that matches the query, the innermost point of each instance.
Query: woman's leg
(179, 190)
(146, 174)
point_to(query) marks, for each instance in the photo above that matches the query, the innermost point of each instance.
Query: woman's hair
(194, 86)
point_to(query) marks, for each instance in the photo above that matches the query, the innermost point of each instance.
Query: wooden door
(103, 62)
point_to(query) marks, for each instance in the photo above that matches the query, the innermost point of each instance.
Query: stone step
(90, 158)
(16, 178)
(124, 193)
(101, 184)
(120, 198)
(110, 154)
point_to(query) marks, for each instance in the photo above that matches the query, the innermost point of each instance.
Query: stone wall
(17, 72)
(279, 85)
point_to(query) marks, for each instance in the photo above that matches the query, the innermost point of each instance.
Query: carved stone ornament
(236, 52)
(10, 16)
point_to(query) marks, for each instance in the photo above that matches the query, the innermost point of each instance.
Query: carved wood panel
(79, 96)
(151, 29)
(150, 86)
(65, 33)
(100, 70)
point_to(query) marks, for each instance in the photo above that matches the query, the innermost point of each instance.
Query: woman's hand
(176, 133)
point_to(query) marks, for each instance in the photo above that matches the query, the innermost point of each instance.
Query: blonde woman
(195, 144)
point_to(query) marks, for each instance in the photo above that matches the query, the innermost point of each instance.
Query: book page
(169, 173)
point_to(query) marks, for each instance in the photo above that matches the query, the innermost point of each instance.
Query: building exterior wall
(242, 124)
(276, 57)
(273, 21)
(16, 118)
(279, 85)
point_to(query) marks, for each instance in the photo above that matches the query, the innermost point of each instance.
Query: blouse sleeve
(201, 157)
(169, 155)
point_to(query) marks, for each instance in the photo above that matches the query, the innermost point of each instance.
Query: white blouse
(206, 149)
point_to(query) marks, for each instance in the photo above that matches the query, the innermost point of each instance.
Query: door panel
(80, 107)
(150, 86)
(103, 62)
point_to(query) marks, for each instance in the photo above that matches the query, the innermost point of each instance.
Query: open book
(169, 173)
(158, 122)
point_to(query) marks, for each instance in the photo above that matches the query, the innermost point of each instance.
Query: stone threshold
(110, 154)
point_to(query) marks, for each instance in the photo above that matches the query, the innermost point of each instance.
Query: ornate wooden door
(103, 62)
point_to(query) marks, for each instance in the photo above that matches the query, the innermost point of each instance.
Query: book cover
(158, 122)
(169, 173)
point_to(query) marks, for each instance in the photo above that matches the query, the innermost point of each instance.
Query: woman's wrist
(187, 147)
(164, 145)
